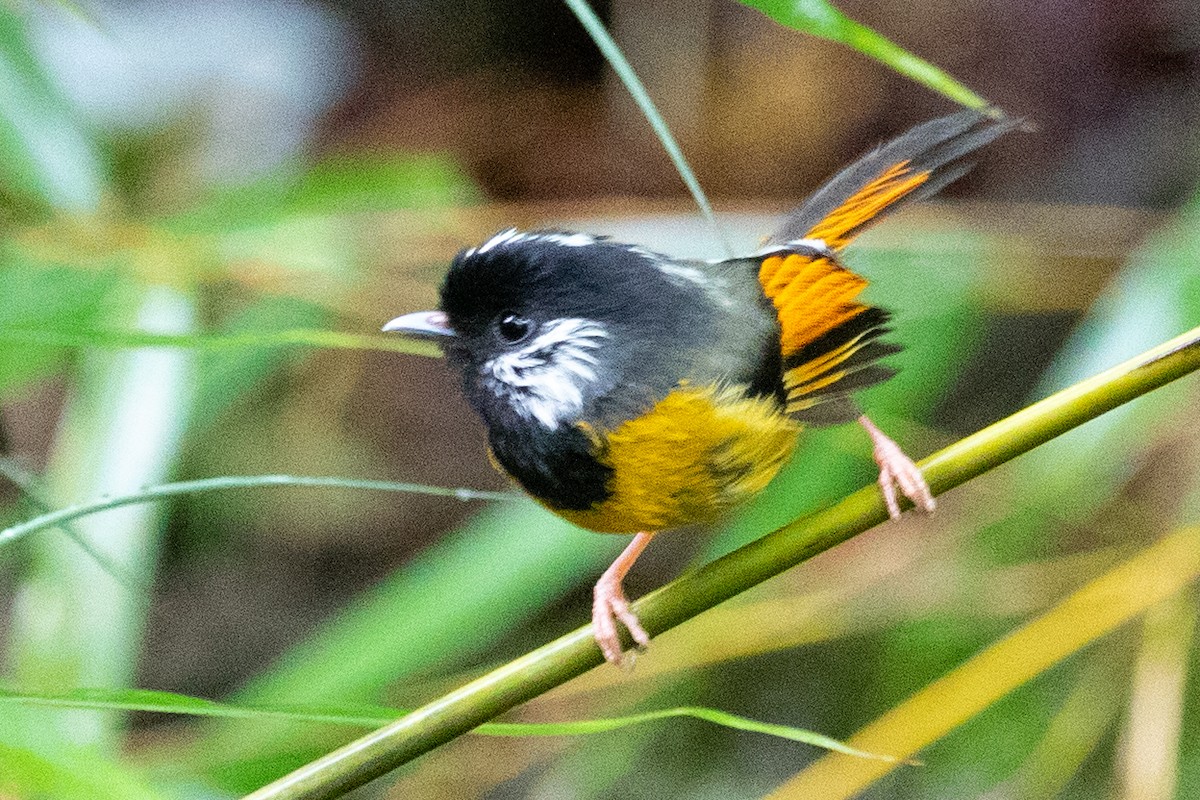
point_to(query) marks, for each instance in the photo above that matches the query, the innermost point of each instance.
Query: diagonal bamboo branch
(557, 662)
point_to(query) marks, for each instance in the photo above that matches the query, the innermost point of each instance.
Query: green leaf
(821, 18)
(47, 159)
(225, 376)
(440, 607)
(341, 185)
(437, 611)
(57, 301)
(374, 716)
(25, 774)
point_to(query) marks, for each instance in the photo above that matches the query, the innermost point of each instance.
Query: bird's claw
(608, 607)
(896, 470)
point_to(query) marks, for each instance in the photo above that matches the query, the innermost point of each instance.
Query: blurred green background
(230, 172)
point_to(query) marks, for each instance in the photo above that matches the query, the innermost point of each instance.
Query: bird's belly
(697, 453)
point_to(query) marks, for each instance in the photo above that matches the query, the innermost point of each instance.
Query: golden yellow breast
(697, 453)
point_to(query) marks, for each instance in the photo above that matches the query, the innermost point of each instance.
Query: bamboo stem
(557, 662)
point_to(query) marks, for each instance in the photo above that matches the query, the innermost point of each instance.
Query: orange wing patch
(841, 224)
(829, 340)
(814, 295)
(830, 377)
(811, 297)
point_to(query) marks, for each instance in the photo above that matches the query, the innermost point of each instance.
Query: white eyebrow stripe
(513, 236)
(497, 240)
(565, 239)
(579, 332)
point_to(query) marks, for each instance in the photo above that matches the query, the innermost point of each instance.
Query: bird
(632, 392)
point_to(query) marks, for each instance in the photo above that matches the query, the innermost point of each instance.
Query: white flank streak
(680, 272)
(820, 246)
(545, 379)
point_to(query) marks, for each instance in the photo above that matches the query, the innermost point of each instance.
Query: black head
(547, 322)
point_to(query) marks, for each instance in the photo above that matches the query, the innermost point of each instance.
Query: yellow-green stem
(557, 662)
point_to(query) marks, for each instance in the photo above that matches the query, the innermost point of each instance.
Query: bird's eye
(514, 328)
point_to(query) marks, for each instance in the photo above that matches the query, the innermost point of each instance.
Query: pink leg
(897, 469)
(609, 603)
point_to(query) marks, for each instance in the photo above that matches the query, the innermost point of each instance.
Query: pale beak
(422, 325)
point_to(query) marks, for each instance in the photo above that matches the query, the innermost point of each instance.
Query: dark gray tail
(911, 167)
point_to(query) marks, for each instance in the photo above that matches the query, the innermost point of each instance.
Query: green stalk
(72, 623)
(557, 662)
(149, 494)
(633, 84)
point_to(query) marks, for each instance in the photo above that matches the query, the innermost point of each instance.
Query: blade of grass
(821, 18)
(371, 716)
(624, 70)
(288, 338)
(26, 774)
(47, 159)
(47, 296)
(538, 671)
(226, 482)
(225, 377)
(434, 613)
(1155, 720)
(1159, 572)
(33, 493)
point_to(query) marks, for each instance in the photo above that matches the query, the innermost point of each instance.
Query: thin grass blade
(124, 340)
(371, 716)
(624, 70)
(226, 482)
(1098, 608)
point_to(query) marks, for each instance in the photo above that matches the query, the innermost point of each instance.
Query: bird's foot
(896, 470)
(608, 607)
